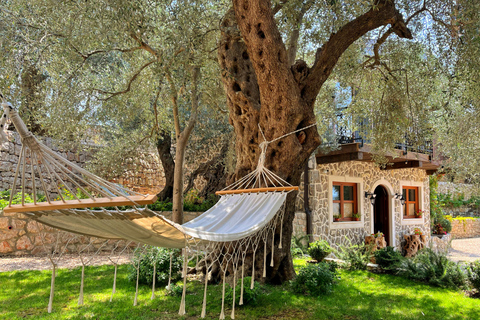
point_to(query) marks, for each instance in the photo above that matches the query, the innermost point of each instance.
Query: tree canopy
(397, 70)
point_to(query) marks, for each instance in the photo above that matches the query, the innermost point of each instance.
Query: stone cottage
(346, 183)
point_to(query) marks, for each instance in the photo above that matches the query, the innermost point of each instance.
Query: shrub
(388, 259)
(174, 291)
(159, 256)
(315, 279)
(299, 245)
(250, 296)
(318, 250)
(474, 274)
(433, 268)
(356, 256)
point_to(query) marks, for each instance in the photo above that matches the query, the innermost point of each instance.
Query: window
(344, 197)
(410, 194)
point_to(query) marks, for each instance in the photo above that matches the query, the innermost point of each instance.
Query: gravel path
(465, 250)
(66, 261)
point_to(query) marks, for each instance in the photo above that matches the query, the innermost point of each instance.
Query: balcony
(353, 147)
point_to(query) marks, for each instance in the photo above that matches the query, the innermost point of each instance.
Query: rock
(18, 224)
(32, 227)
(3, 224)
(5, 247)
(24, 243)
(8, 234)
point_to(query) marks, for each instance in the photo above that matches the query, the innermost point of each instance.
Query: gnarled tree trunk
(264, 89)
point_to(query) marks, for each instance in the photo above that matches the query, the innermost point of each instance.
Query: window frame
(342, 201)
(416, 202)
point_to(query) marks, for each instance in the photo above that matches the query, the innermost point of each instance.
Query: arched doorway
(381, 217)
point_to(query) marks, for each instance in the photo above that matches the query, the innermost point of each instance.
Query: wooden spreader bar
(84, 203)
(256, 190)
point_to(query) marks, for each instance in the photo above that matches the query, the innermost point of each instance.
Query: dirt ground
(66, 261)
(465, 250)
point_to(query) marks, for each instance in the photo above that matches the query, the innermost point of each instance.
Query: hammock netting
(239, 222)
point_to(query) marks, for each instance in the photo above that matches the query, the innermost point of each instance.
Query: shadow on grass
(358, 295)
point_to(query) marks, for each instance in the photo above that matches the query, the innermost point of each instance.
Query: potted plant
(417, 231)
(377, 235)
(336, 217)
(356, 217)
(419, 214)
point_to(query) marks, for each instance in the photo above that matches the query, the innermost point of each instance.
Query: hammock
(246, 214)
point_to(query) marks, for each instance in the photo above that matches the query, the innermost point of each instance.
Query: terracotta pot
(356, 219)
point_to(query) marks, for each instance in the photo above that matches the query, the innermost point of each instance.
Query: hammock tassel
(136, 288)
(114, 283)
(273, 247)
(234, 287)
(80, 298)
(182, 304)
(281, 232)
(265, 258)
(253, 270)
(204, 305)
(170, 272)
(241, 288)
(52, 288)
(153, 281)
(222, 314)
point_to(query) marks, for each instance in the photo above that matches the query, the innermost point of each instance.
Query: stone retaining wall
(441, 244)
(455, 189)
(20, 235)
(465, 228)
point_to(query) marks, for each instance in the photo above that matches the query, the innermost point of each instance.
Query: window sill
(413, 221)
(346, 224)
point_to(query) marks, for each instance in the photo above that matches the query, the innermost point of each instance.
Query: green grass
(358, 295)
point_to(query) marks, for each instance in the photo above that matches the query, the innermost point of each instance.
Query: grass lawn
(358, 295)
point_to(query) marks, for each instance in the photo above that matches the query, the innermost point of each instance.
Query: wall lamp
(400, 197)
(371, 196)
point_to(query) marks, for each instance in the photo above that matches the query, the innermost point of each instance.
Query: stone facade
(465, 228)
(367, 176)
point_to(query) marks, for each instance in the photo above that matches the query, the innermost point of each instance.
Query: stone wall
(368, 176)
(455, 189)
(465, 228)
(20, 235)
(10, 153)
(441, 244)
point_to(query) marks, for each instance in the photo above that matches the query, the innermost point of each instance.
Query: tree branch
(129, 85)
(145, 46)
(383, 38)
(194, 96)
(293, 41)
(327, 56)
(87, 55)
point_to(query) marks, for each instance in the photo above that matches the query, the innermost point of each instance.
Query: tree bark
(263, 88)
(213, 171)
(182, 141)
(164, 147)
(177, 208)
